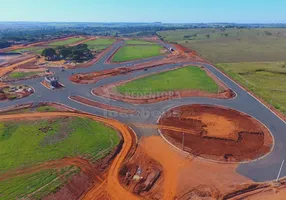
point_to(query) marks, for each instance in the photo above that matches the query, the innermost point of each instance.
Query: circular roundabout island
(216, 133)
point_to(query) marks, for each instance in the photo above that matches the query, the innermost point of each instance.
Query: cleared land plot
(137, 42)
(26, 143)
(266, 80)
(36, 185)
(66, 41)
(99, 44)
(232, 45)
(127, 53)
(187, 78)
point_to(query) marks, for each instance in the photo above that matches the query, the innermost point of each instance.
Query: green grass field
(36, 185)
(137, 42)
(66, 41)
(232, 45)
(127, 53)
(19, 75)
(34, 50)
(26, 143)
(267, 80)
(99, 44)
(187, 78)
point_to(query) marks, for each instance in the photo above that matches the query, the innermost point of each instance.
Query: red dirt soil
(188, 176)
(149, 173)
(219, 133)
(95, 104)
(109, 91)
(88, 78)
(7, 69)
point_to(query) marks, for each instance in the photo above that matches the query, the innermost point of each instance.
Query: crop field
(99, 44)
(45, 140)
(266, 79)
(137, 42)
(66, 41)
(127, 53)
(232, 45)
(36, 185)
(187, 78)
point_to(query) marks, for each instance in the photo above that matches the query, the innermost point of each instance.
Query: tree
(49, 52)
(4, 44)
(208, 35)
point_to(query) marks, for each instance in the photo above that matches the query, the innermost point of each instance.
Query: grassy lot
(19, 75)
(35, 185)
(99, 44)
(187, 78)
(137, 42)
(232, 45)
(127, 53)
(34, 50)
(267, 80)
(29, 142)
(66, 41)
(46, 109)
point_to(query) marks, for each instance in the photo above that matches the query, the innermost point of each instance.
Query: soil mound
(217, 133)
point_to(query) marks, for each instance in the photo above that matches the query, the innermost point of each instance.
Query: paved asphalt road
(264, 169)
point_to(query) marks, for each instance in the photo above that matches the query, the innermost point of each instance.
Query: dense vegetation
(78, 53)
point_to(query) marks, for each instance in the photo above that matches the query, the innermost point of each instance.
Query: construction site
(213, 140)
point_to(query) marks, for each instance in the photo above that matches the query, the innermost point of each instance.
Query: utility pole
(183, 141)
(279, 173)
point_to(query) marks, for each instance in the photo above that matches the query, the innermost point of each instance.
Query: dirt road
(5, 70)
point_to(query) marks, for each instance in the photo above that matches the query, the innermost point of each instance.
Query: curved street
(264, 169)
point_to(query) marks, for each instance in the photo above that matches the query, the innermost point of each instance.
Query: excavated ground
(218, 133)
(142, 175)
